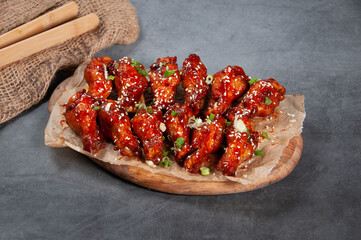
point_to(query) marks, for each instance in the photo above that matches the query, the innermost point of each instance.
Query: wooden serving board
(175, 185)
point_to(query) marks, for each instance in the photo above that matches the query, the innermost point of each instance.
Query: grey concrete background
(311, 47)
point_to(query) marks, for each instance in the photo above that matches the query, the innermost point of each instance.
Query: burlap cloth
(24, 83)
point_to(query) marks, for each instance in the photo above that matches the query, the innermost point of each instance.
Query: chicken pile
(113, 109)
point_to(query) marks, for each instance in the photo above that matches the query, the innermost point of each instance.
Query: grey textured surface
(311, 47)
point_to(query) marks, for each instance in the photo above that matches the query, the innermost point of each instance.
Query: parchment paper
(281, 127)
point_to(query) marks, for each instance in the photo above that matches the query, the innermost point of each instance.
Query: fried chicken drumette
(115, 126)
(97, 76)
(147, 125)
(193, 77)
(206, 140)
(261, 99)
(81, 114)
(164, 79)
(228, 85)
(130, 83)
(176, 122)
(242, 141)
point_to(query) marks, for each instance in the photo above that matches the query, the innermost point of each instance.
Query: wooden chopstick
(48, 39)
(40, 24)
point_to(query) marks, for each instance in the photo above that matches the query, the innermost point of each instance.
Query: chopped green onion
(165, 162)
(209, 79)
(111, 77)
(228, 123)
(210, 118)
(164, 63)
(163, 138)
(97, 108)
(265, 135)
(180, 73)
(224, 130)
(253, 81)
(258, 152)
(248, 135)
(149, 110)
(175, 149)
(169, 137)
(267, 101)
(142, 72)
(205, 171)
(165, 152)
(135, 63)
(174, 113)
(169, 73)
(179, 142)
(138, 104)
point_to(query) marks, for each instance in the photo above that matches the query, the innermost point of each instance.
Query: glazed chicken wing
(261, 99)
(228, 85)
(206, 140)
(97, 76)
(115, 126)
(130, 83)
(193, 77)
(81, 113)
(164, 79)
(242, 141)
(147, 126)
(176, 122)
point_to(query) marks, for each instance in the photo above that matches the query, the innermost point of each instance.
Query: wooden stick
(48, 39)
(40, 24)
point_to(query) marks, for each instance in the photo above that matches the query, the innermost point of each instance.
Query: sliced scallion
(265, 135)
(210, 118)
(168, 73)
(205, 171)
(267, 101)
(253, 81)
(209, 79)
(165, 162)
(179, 142)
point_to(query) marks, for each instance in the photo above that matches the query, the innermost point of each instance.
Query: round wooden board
(175, 185)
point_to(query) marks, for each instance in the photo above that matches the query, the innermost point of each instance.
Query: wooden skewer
(48, 39)
(40, 24)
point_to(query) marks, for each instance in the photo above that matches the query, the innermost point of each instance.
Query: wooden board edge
(175, 185)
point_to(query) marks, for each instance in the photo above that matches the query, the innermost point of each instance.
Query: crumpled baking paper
(281, 127)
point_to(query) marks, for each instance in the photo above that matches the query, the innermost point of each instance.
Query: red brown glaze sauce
(97, 76)
(193, 77)
(176, 122)
(164, 79)
(261, 99)
(240, 147)
(81, 116)
(129, 83)
(206, 140)
(228, 85)
(116, 127)
(147, 126)
(95, 116)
